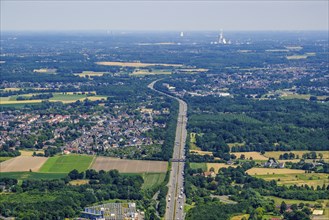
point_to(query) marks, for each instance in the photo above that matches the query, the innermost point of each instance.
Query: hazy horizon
(145, 16)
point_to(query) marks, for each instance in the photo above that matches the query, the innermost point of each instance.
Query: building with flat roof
(112, 211)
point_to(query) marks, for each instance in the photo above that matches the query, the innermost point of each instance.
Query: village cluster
(272, 79)
(85, 133)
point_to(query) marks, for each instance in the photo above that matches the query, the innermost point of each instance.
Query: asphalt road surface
(176, 197)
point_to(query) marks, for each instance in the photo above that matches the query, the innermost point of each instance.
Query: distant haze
(164, 15)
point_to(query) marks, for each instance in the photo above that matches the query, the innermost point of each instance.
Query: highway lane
(176, 197)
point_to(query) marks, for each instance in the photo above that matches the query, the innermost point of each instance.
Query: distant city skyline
(164, 15)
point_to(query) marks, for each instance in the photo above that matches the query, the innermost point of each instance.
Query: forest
(57, 199)
(269, 125)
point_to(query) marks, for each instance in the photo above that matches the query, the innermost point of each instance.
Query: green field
(64, 164)
(68, 97)
(203, 166)
(278, 201)
(152, 179)
(32, 175)
(187, 207)
(4, 159)
(311, 179)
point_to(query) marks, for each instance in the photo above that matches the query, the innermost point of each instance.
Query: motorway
(176, 197)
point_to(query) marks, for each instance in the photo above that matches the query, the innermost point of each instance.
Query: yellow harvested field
(296, 57)
(78, 182)
(95, 98)
(240, 217)
(129, 166)
(146, 72)
(268, 171)
(3, 102)
(89, 73)
(44, 70)
(30, 153)
(294, 47)
(248, 155)
(276, 154)
(217, 166)
(22, 163)
(194, 70)
(136, 64)
(11, 89)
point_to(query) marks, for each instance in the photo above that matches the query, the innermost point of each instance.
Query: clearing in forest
(248, 155)
(217, 166)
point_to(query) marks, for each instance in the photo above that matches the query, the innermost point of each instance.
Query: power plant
(221, 39)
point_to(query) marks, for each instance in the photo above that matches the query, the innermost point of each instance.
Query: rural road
(176, 197)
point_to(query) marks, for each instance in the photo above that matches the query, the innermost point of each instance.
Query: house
(272, 163)
(209, 174)
(317, 212)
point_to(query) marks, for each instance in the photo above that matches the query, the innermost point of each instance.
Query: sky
(185, 15)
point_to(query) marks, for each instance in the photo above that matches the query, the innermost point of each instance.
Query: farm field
(11, 89)
(89, 74)
(152, 179)
(154, 72)
(136, 64)
(217, 166)
(58, 97)
(203, 166)
(301, 96)
(278, 201)
(66, 163)
(44, 70)
(311, 179)
(248, 155)
(129, 166)
(276, 154)
(296, 57)
(22, 163)
(269, 171)
(32, 175)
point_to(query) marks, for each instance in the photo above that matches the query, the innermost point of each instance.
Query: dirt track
(22, 163)
(129, 166)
